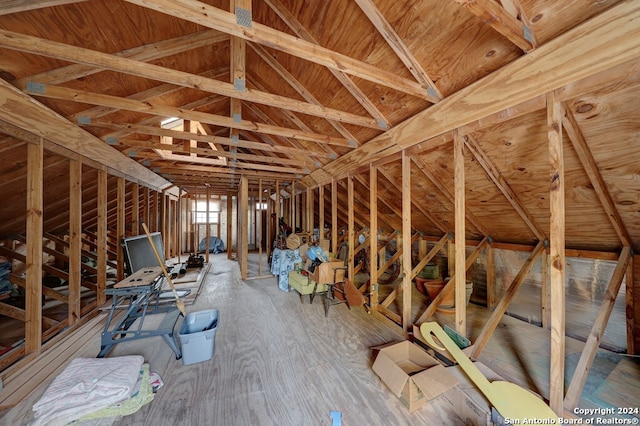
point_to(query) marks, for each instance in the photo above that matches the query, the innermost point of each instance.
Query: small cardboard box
(412, 375)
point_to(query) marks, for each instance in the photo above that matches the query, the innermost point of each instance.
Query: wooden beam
(597, 330)
(373, 237)
(407, 324)
(397, 44)
(425, 211)
(557, 254)
(579, 143)
(120, 225)
(350, 227)
(298, 29)
(52, 49)
(609, 39)
(33, 264)
(491, 277)
(16, 6)
(300, 89)
(144, 53)
(449, 287)
(75, 245)
(102, 237)
(545, 291)
(493, 321)
(427, 258)
(213, 154)
(334, 217)
(501, 21)
(243, 229)
(135, 209)
(633, 307)
(469, 217)
(26, 113)
(211, 17)
(460, 227)
(129, 104)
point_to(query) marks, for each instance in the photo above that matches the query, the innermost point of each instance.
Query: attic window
(171, 122)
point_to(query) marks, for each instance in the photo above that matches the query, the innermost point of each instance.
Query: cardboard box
(412, 375)
(469, 403)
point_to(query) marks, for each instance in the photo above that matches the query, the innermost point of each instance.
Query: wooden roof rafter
(153, 93)
(145, 53)
(395, 42)
(212, 17)
(17, 6)
(73, 141)
(575, 55)
(302, 91)
(590, 166)
(437, 222)
(501, 21)
(327, 149)
(237, 164)
(470, 217)
(116, 102)
(501, 183)
(177, 134)
(57, 50)
(344, 79)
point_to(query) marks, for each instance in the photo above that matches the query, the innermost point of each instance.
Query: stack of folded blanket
(90, 388)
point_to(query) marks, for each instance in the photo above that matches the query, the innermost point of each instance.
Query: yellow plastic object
(511, 401)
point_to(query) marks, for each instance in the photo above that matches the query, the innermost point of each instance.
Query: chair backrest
(353, 295)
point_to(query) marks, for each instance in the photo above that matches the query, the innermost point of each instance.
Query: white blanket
(87, 385)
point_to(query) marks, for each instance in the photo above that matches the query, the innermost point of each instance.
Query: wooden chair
(342, 292)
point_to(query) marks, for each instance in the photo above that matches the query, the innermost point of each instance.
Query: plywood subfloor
(276, 361)
(279, 361)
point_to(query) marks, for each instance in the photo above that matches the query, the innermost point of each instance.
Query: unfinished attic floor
(281, 362)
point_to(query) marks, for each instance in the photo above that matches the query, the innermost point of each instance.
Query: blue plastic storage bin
(197, 336)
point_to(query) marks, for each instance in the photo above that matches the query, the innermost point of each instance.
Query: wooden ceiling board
(489, 205)
(453, 46)
(519, 149)
(341, 26)
(550, 18)
(609, 123)
(453, 55)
